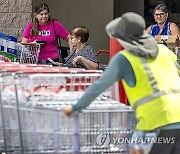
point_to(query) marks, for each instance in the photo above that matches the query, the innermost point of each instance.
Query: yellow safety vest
(156, 95)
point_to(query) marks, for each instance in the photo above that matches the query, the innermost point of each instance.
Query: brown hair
(81, 31)
(39, 8)
(161, 7)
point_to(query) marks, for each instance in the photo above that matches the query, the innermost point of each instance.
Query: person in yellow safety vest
(151, 78)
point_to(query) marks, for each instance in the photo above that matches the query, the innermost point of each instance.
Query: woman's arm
(69, 43)
(90, 65)
(24, 40)
(26, 33)
(148, 30)
(87, 58)
(61, 31)
(174, 29)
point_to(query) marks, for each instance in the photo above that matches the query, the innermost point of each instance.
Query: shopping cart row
(32, 120)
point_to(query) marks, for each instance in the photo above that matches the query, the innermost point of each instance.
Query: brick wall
(14, 15)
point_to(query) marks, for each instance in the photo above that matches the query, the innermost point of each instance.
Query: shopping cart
(45, 129)
(26, 127)
(28, 53)
(34, 122)
(10, 137)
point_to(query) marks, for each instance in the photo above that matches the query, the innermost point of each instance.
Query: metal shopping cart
(25, 127)
(28, 53)
(34, 121)
(48, 94)
(10, 137)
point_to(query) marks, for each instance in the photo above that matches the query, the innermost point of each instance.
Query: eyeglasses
(159, 14)
(72, 37)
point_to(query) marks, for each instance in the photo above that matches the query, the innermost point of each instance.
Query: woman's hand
(58, 64)
(75, 60)
(26, 42)
(55, 63)
(68, 110)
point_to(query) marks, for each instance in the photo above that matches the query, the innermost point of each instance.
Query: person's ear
(167, 16)
(79, 39)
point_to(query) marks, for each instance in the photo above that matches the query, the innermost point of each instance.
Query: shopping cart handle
(31, 43)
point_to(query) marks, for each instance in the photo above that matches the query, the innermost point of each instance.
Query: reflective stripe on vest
(153, 83)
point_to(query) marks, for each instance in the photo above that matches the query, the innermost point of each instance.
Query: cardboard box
(172, 41)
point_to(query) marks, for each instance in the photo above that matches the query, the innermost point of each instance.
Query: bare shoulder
(173, 25)
(148, 29)
(174, 29)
